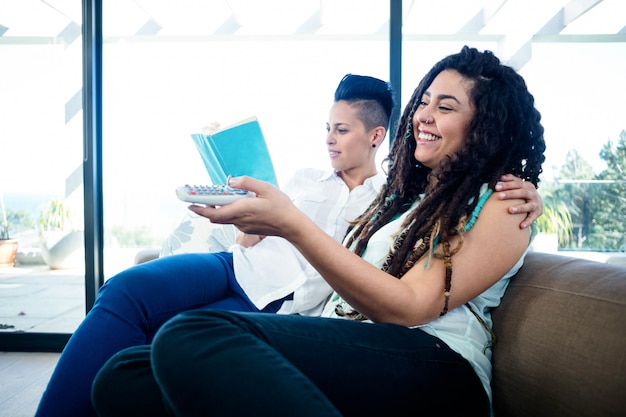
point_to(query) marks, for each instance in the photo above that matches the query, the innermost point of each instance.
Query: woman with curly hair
(407, 330)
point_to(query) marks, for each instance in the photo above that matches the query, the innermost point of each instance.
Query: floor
(34, 298)
(38, 299)
(24, 378)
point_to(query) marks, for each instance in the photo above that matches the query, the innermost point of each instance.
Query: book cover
(239, 149)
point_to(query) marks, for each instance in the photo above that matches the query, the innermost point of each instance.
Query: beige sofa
(561, 340)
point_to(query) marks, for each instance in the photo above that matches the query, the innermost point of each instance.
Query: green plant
(4, 231)
(4, 226)
(556, 219)
(56, 216)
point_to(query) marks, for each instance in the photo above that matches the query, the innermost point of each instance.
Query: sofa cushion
(196, 234)
(561, 348)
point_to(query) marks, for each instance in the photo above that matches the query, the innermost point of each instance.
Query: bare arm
(493, 245)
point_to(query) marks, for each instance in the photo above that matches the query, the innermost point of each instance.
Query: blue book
(239, 149)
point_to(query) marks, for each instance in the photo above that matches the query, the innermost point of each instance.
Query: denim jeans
(129, 310)
(221, 363)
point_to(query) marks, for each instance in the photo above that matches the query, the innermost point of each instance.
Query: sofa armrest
(561, 347)
(146, 255)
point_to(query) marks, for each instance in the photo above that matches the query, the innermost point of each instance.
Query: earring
(373, 145)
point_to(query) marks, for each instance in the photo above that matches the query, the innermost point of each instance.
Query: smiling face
(350, 144)
(442, 118)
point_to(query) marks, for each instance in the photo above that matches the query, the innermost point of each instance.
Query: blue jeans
(129, 310)
(221, 363)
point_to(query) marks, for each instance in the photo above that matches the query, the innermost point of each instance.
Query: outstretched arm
(490, 249)
(513, 187)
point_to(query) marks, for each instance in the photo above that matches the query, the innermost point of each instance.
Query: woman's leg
(132, 366)
(129, 310)
(226, 363)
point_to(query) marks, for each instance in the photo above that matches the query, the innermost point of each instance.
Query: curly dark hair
(505, 136)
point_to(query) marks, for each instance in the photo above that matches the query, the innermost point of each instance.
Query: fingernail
(514, 210)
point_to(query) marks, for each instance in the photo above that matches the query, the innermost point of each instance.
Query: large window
(172, 67)
(168, 72)
(169, 69)
(572, 56)
(41, 156)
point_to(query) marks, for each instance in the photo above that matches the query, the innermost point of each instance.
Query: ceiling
(514, 24)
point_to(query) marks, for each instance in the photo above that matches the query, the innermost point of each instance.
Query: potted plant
(61, 244)
(8, 246)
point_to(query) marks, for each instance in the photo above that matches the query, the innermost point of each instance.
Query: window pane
(41, 169)
(169, 71)
(574, 67)
(579, 89)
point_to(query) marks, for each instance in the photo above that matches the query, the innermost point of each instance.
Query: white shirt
(274, 268)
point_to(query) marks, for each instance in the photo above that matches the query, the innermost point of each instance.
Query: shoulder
(377, 181)
(491, 248)
(306, 178)
(490, 206)
(311, 174)
(494, 222)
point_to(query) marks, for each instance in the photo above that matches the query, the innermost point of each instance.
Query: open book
(239, 149)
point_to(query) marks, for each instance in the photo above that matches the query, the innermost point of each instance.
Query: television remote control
(212, 195)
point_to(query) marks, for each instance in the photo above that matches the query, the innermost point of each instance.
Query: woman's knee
(125, 280)
(176, 345)
(173, 356)
(178, 334)
(121, 381)
(125, 290)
